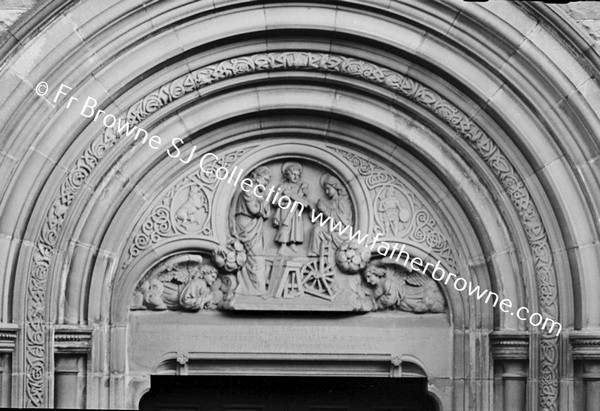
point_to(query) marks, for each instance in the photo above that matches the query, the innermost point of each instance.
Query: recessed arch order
(495, 109)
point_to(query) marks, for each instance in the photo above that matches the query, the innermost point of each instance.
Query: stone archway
(449, 96)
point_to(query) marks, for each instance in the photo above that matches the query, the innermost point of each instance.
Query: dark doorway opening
(245, 393)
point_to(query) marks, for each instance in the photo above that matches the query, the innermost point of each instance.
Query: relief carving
(289, 223)
(250, 214)
(388, 285)
(183, 282)
(281, 257)
(184, 208)
(193, 212)
(281, 264)
(393, 211)
(337, 207)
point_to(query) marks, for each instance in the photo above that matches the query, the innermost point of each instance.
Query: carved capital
(70, 340)
(510, 346)
(8, 337)
(586, 346)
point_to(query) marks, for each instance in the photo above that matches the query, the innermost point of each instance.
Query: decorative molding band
(70, 341)
(510, 346)
(8, 339)
(513, 183)
(586, 347)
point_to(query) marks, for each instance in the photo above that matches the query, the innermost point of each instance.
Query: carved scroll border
(35, 349)
(141, 240)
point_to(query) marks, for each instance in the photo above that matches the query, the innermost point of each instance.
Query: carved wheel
(317, 279)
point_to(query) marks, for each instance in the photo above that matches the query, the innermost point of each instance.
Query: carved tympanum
(290, 244)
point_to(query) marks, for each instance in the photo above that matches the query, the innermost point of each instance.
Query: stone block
(438, 17)
(511, 15)
(390, 32)
(92, 18)
(32, 172)
(559, 54)
(302, 17)
(566, 193)
(218, 26)
(532, 140)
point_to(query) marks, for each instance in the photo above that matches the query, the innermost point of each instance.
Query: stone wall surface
(587, 15)
(11, 10)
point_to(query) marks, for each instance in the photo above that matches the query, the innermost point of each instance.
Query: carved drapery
(513, 183)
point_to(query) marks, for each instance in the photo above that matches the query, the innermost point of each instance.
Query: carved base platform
(301, 303)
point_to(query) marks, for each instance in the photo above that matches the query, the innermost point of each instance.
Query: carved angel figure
(394, 287)
(180, 283)
(202, 290)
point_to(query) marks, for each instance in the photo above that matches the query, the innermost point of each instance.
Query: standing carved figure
(250, 213)
(393, 214)
(288, 220)
(338, 209)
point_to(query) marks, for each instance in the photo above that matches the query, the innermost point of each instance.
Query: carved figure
(200, 291)
(392, 212)
(194, 209)
(250, 213)
(337, 207)
(287, 220)
(406, 291)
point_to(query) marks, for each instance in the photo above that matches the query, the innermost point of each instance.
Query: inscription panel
(154, 335)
